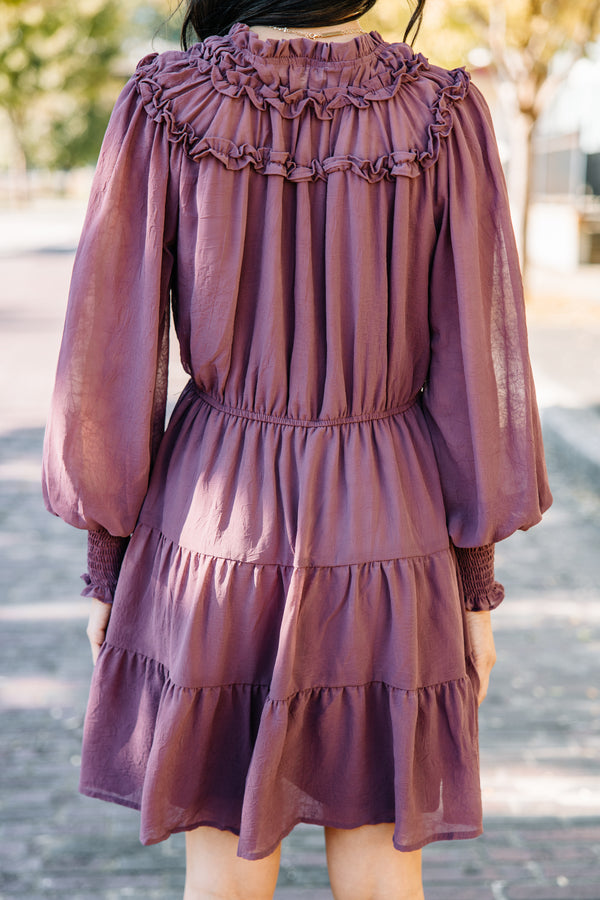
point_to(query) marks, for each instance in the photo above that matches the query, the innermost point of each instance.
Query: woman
(302, 564)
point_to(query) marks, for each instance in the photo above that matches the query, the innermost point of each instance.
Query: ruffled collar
(240, 37)
(184, 90)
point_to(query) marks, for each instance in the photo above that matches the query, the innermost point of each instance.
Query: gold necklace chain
(313, 35)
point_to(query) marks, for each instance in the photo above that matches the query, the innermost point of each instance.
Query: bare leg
(215, 872)
(364, 865)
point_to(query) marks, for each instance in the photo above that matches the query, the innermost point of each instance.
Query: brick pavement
(540, 725)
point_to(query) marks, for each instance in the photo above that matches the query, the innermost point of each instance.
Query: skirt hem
(306, 820)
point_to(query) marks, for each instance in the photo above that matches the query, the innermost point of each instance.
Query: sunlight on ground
(35, 692)
(68, 610)
(520, 790)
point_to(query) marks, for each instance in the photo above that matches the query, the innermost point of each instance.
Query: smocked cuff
(104, 558)
(481, 591)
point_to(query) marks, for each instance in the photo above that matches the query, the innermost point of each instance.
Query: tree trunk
(527, 194)
(19, 178)
(520, 181)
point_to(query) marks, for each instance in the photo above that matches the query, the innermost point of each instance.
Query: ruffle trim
(230, 756)
(103, 592)
(487, 600)
(232, 74)
(160, 103)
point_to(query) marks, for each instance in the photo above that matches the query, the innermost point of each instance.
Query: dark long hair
(206, 17)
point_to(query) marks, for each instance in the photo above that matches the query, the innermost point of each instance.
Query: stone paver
(540, 725)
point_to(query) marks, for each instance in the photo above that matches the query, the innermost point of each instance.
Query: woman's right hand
(479, 628)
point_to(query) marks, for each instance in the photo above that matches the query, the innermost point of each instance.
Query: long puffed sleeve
(479, 400)
(107, 412)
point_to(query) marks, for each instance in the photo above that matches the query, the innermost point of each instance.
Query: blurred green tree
(533, 45)
(57, 77)
(61, 67)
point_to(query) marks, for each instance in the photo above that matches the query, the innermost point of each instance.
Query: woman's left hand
(97, 625)
(479, 626)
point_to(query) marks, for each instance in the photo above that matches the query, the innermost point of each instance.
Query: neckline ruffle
(181, 90)
(242, 38)
(289, 84)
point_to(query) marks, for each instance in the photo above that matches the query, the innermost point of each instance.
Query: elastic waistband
(242, 413)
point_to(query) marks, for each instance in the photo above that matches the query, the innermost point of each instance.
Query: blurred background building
(538, 64)
(566, 185)
(564, 217)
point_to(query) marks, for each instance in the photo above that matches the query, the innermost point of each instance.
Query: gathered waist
(325, 422)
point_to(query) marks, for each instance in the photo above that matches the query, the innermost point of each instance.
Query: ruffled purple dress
(330, 227)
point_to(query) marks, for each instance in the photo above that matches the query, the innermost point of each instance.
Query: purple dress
(330, 227)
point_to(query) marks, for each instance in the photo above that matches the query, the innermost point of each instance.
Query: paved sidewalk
(540, 725)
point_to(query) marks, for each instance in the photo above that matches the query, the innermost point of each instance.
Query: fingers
(484, 663)
(97, 625)
(479, 626)
(484, 671)
(484, 683)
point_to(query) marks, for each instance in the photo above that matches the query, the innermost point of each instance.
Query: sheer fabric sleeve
(107, 411)
(479, 399)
